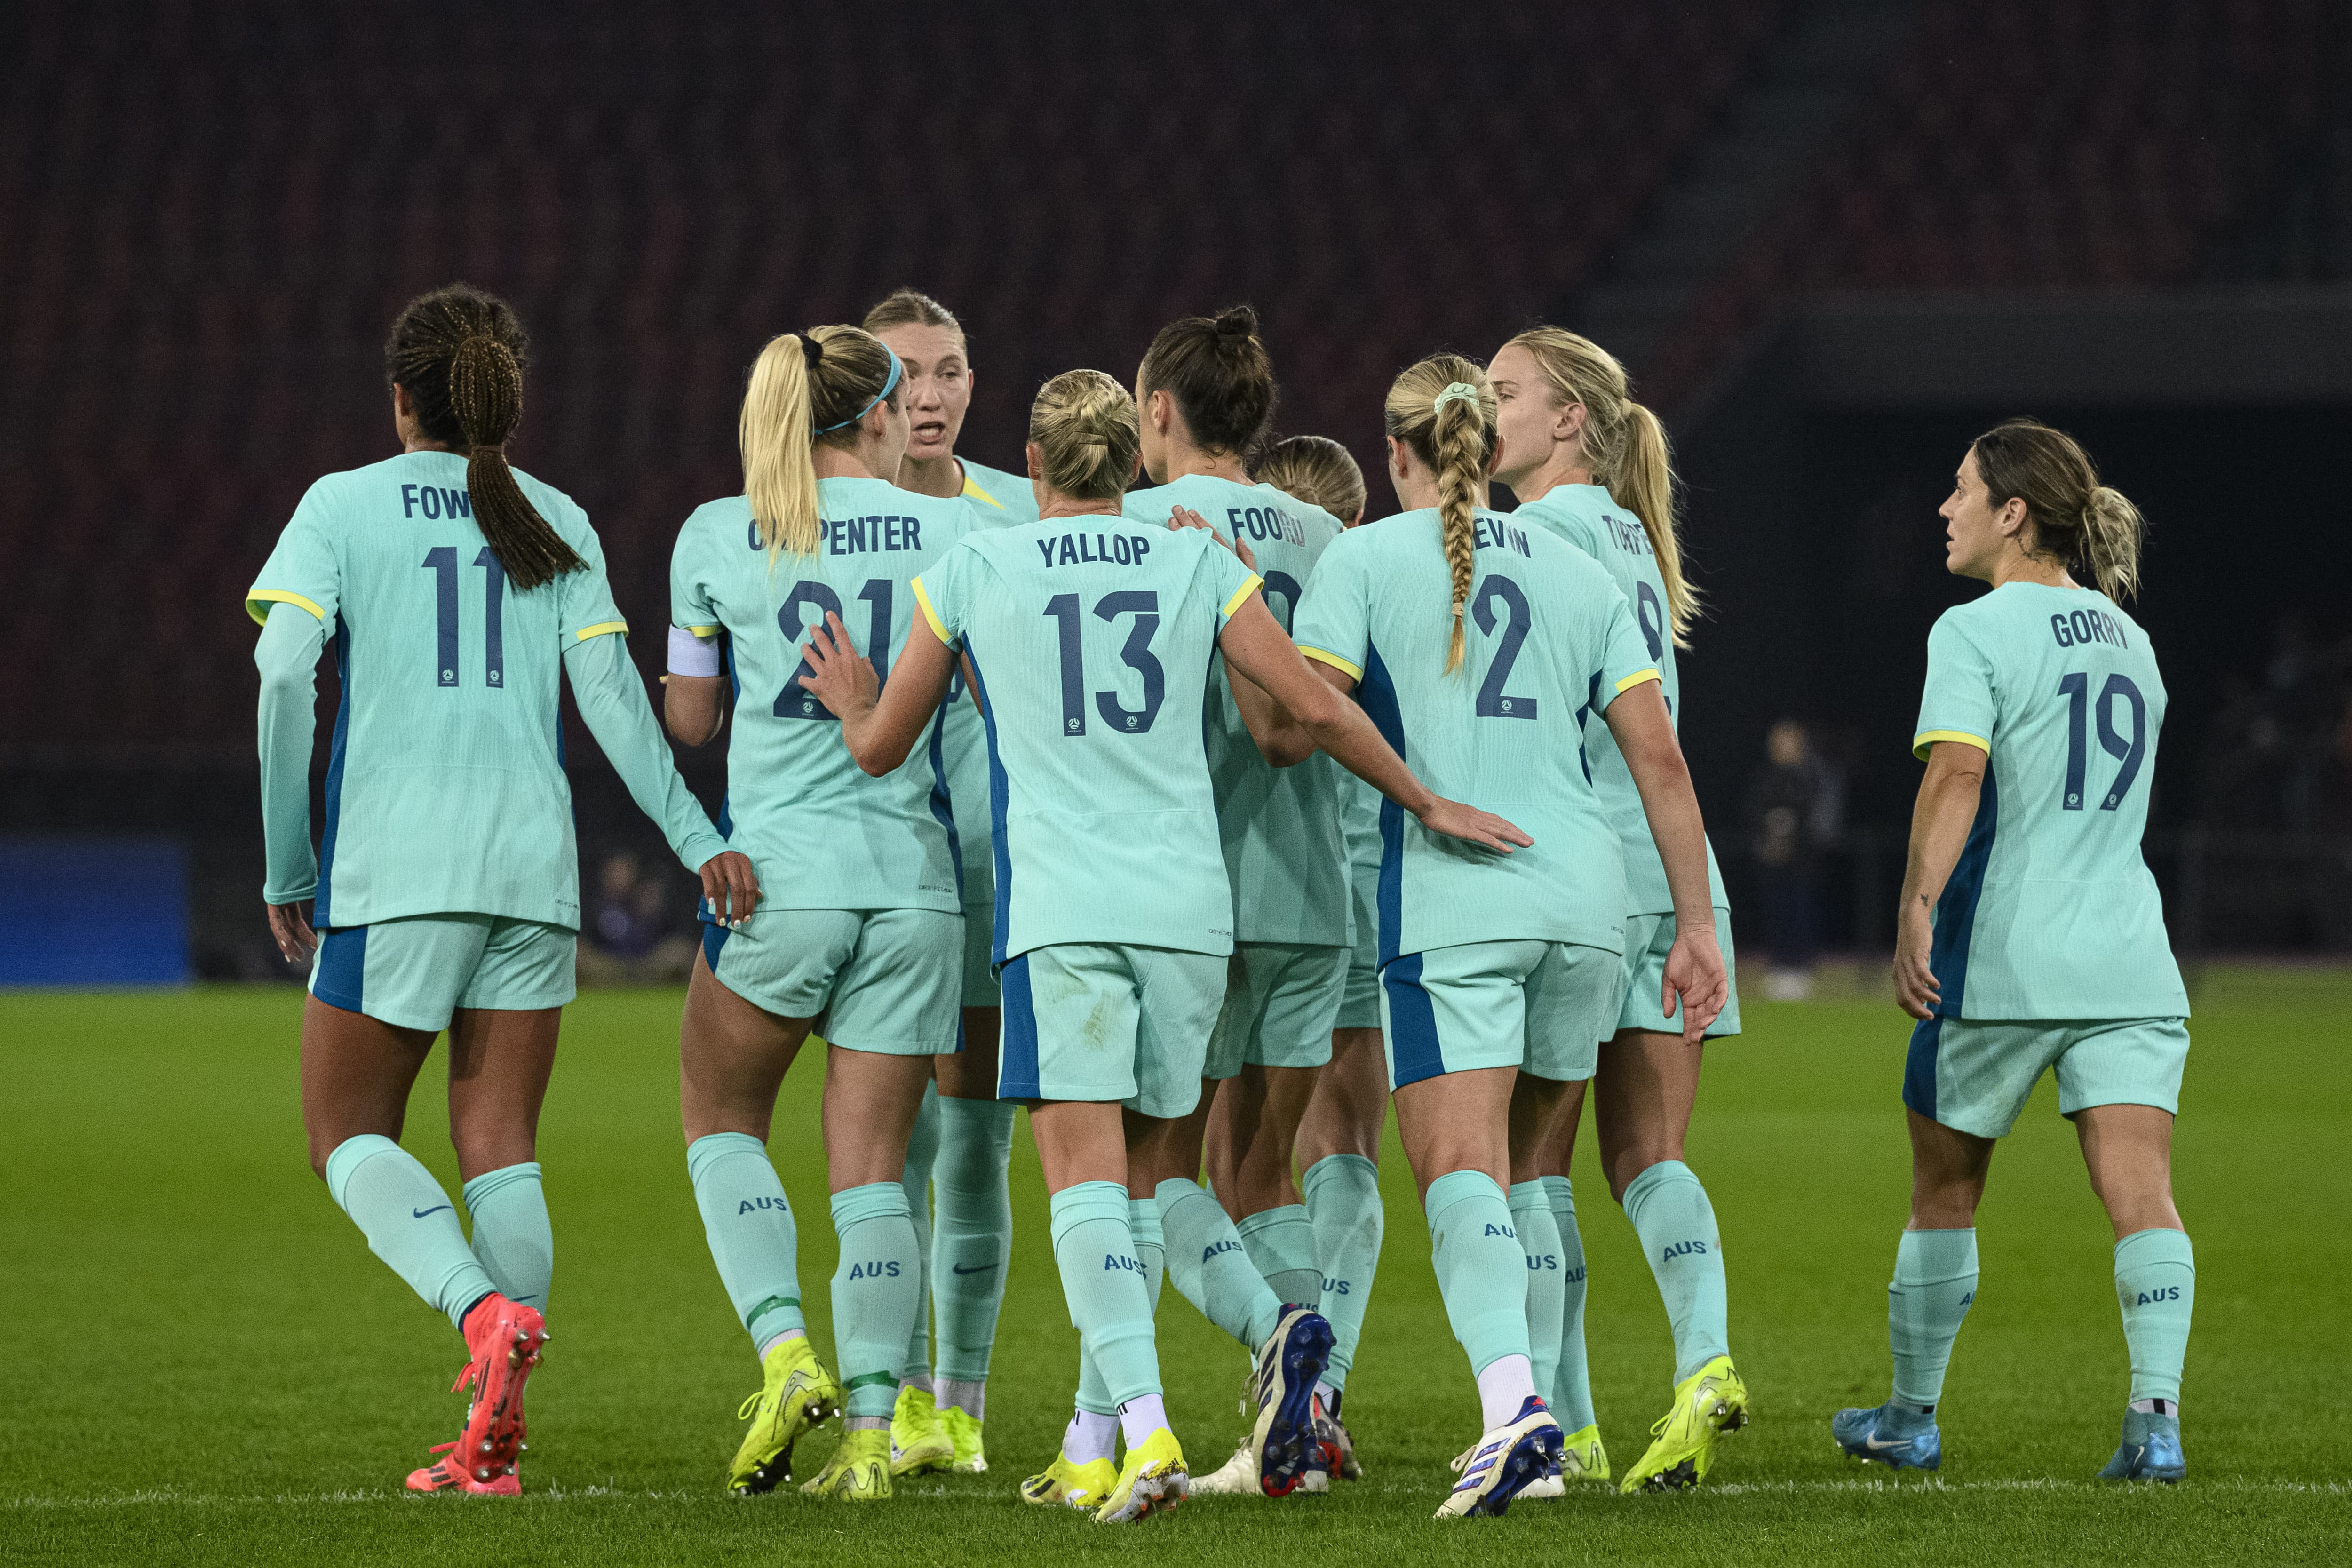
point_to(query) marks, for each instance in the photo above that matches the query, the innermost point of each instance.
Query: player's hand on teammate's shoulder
(1185, 517)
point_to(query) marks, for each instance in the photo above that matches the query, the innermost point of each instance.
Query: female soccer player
(1498, 977)
(1338, 1141)
(1206, 395)
(446, 891)
(1070, 629)
(2026, 902)
(964, 1136)
(1591, 465)
(865, 927)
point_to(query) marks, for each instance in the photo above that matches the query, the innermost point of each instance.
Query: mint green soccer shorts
(886, 981)
(1095, 1022)
(1541, 1007)
(1648, 940)
(1359, 1005)
(1281, 1002)
(414, 972)
(980, 987)
(1977, 1077)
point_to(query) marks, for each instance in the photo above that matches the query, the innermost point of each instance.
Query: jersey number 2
(442, 562)
(2134, 752)
(1493, 702)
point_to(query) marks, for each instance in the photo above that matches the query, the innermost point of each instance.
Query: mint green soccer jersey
(2051, 911)
(1284, 852)
(1587, 517)
(999, 497)
(1549, 643)
(446, 792)
(824, 834)
(1091, 637)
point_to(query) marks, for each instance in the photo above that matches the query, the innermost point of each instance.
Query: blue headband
(877, 397)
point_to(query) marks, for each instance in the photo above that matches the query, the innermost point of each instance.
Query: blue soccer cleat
(1289, 1361)
(1872, 1434)
(2150, 1450)
(1504, 1462)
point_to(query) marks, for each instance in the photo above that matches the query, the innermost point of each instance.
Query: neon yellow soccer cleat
(859, 1470)
(796, 1394)
(1709, 1403)
(1151, 1479)
(1586, 1459)
(917, 1441)
(963, 1431)
(1081, 1487)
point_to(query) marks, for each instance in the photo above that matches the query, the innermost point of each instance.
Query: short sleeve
(1230, 582)
(690, 606)
(1957, 704)
(303, 570)
(584, 599)
(943, 592)
(1625, 661)
(1333, 623)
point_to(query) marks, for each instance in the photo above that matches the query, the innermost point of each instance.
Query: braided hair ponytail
(458, 352)
(1444, 411)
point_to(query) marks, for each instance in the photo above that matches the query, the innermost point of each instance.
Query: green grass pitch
(204, 1363)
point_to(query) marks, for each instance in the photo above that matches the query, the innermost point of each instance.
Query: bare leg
(870, 1101)
(1251, 1132)
(1349, 1102)
(356, 1075)
(2129, 1152)
(1167, 1149)
(1079, 1140)
(499, 1062)
(1538, 1105)
(732, 1058)
(1457, 1121)
(971, 1073)
(1642, 1100)
(1947, 1175)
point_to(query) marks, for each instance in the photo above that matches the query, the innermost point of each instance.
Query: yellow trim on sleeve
(703, 631)
(973, 491)
(923, 602)
(1244, 592)
(278, 597)
(1355, 672)
(599, 629)
(1636, 679)
(1926, 738)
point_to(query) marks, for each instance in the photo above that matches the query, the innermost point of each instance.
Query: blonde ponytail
(806, 388)
(1625, 446)
(1317, 470)
(2076, 520)
(1443, 410)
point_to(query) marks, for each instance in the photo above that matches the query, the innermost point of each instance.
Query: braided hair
(1454, 434)
(459, 353)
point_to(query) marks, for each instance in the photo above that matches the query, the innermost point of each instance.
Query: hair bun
(1241, 322)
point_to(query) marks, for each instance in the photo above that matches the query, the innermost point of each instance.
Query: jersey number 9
(2134, 752)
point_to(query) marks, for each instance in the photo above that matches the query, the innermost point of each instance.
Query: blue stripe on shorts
(342, 968)
(1412, 1022)
(1016, 1057)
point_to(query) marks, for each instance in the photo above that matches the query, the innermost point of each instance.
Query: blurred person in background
(632, 936)
(962, 1140)
(1792, 809)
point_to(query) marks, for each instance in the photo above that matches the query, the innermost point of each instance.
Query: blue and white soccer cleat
(1504, 1462)
(1289, 1361)
(1872, 1434)
(2150, 1450)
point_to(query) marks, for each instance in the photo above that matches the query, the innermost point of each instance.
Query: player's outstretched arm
(612, 701)
(288, 658)
(1940, 820)
(880, 725)
(1695, 983)
(1253, 643)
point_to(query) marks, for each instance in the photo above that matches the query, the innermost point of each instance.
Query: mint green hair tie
(1461, 390)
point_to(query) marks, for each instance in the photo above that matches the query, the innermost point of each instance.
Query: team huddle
(1153, 789)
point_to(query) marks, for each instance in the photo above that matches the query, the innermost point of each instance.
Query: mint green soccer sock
(1482, 1272)
(876, 1294)
(1935, 1280)
(1210, 1266)
(972, 1232)
(750, 1227)
(512, 1239)
(1570, 1395)
(1539, 1240)
(408, 1221)
(1150, 1246)
(2156, 1284)
(922, 1152)
(1281, 1246)
(1103, 1280)
(1343, 1203)
(1676, 1225)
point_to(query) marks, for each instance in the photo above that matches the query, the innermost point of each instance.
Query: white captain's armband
(694, 650)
